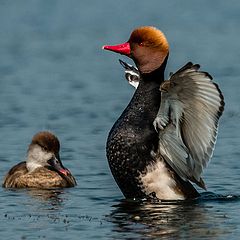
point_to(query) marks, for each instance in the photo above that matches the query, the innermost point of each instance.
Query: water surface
(54, 76)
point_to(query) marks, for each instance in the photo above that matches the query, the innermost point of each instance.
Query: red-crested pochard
(166, 135)
(42, 168)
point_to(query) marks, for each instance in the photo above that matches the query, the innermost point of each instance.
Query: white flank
(158, 180)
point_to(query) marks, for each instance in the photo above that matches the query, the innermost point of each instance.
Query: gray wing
(195, 106)
(191, 105)
(174, 151)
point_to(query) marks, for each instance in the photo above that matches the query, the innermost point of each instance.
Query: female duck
(163, 140)
(43, 167)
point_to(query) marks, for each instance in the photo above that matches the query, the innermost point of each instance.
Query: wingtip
(202, 184)
(122, 63)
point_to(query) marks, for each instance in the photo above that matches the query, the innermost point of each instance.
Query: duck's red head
(147, 46)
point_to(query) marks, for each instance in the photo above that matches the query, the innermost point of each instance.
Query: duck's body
(132, 138)
(139, 163)
(42, 177)
(43, 168)
(132, 142)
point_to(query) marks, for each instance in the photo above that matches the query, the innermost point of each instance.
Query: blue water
(54, 76)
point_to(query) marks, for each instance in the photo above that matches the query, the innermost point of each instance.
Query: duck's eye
(44, 148)
(141, 44)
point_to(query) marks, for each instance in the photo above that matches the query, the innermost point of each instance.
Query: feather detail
(194, 105)
(187, 120)
(132, 74)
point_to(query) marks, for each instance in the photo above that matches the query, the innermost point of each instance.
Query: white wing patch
(132, 74)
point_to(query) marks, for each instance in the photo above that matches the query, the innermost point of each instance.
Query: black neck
(147, 97)
(145, 101)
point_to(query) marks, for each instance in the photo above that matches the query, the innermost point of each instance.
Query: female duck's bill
(43, 167)
(163, 140)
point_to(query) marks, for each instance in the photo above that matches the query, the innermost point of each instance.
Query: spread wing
(191, 105)
(195, 104)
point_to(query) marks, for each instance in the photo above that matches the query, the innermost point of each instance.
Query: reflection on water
(176, 219)
(54, 197)
(51, 197)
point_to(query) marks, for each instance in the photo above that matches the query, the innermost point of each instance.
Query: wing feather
(188, 119)
(202, 105)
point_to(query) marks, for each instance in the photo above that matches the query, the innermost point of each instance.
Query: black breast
(132, 138)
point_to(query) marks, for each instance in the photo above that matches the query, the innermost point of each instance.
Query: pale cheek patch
(37, 158)
(40, 156)
(158, 180)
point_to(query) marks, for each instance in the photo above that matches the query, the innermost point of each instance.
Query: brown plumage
(43, 168)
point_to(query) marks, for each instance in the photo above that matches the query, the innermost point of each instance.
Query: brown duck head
(44, 152)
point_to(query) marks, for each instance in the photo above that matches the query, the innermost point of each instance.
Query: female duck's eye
(141, 44)
(44, 148)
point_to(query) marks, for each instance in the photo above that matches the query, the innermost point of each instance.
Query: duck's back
(44, 178)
